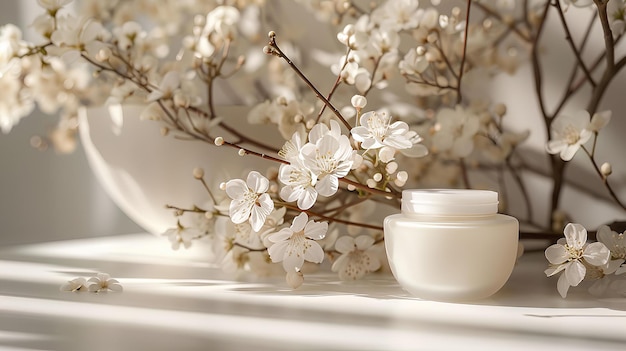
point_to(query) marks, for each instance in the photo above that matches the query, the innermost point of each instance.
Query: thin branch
(570, 41)
(273, 49)
(459, 97)
(608, 34)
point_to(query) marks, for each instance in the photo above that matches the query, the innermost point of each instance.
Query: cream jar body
(451, 245)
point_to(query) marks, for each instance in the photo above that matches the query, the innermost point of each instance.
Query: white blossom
(53, 5)
(296, 244)
(398, 14)
(455, 131)
(78, 35)
(377, 131)
(571, 255)
(76, 284)
(329, 156)
(168, 86)
(103, 282)
(358, 257)
(599, 120)
(249, 200)
(221, 24)
(616, 243)
(182, 235)
(299, 185)
(568, 133)
(413, 62)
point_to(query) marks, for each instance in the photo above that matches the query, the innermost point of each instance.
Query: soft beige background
(44, 196)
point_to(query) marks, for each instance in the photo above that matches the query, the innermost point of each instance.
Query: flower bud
(358, 101)
(294, 279)
(198, 173)
(606, 169)
(219, 141)
(499, 109)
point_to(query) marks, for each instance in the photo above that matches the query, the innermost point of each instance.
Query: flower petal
(599, 120)
(239, 210)
(307, 198)
(294, 259)
(568, 153)
(277, 251)
(556, 254)
(576, 235)
(575, 272)
(364, 242)
(117, 287)
(555, 146)
(562, 285)
(554, 270)
(605, 235)
(327, 185)
(596, 254)
(345, 244)
(299, 222)
(282, 235)
(314, 253)
(236, 188)
(257, 182)
(316, 230)
(340, 262)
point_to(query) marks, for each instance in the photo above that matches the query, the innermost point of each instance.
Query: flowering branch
(273, 49)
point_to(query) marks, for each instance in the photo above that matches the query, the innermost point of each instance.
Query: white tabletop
(174, 300)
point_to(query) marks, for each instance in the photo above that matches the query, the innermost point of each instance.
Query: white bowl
(142, 171)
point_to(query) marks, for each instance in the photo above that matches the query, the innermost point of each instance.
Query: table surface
(175, 300)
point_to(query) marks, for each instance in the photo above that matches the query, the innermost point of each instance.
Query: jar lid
(449, 201)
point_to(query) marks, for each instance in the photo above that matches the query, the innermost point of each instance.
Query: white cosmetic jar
(451, 244)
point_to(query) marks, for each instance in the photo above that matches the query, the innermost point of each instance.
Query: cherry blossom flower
(53, 5)
(76, 284)
(77, 35)
(455, 131)
(571, 254)
(358, 257)
(103, 282)
(293, 245)
(398, 14)
(329, 156)
(414, 62)
(602, 276)
(220, 25)
(616, 243)
(568, 133)
(378, 132)
(167, 87)
(182, 235)
(128, 34)
(299, 185)
(599, 120)
(249, 200)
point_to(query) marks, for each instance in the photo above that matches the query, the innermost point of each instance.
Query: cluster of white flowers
(99, 283)
(576, 260)
(407, 109)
